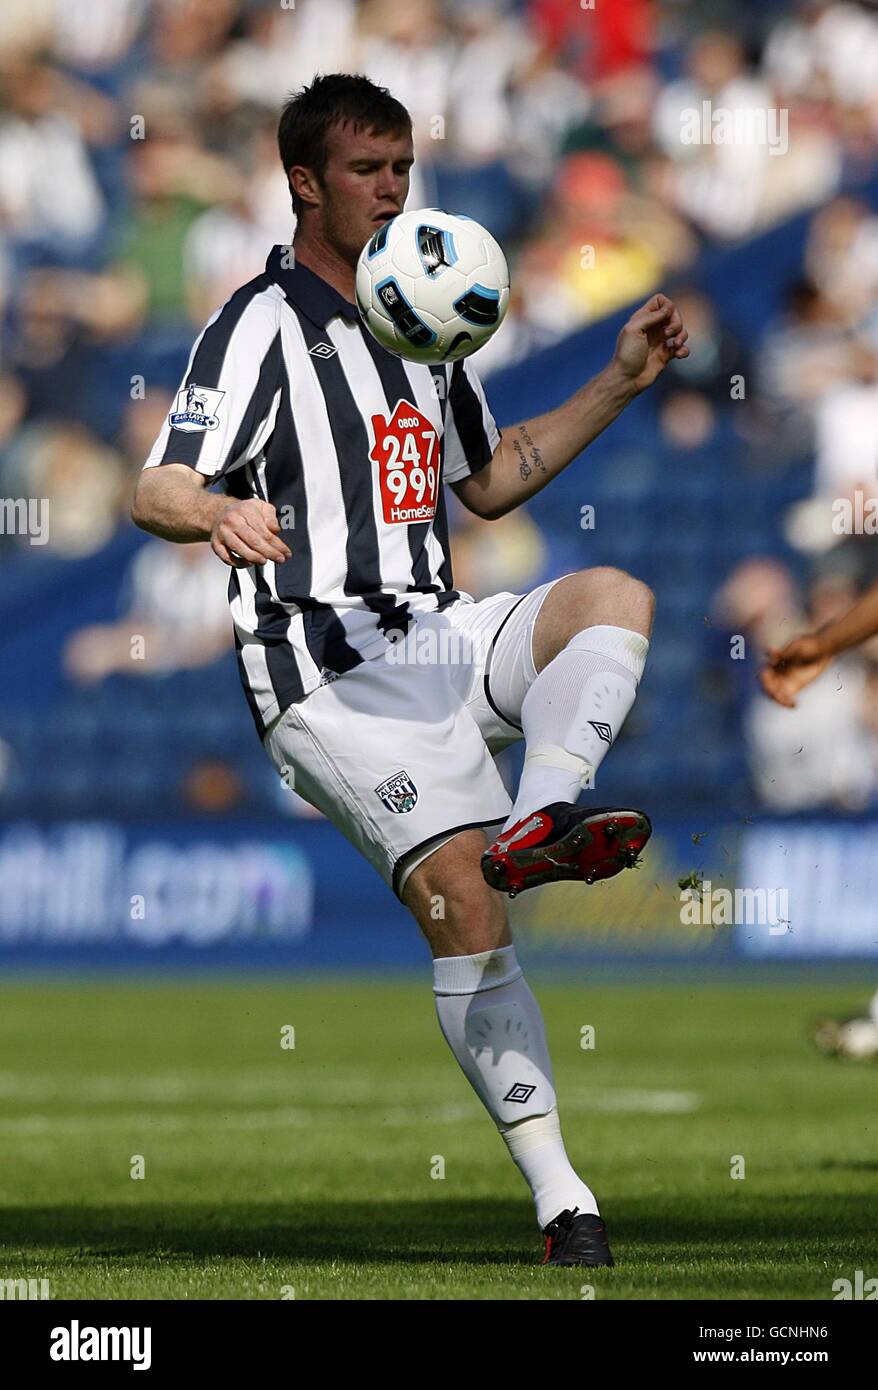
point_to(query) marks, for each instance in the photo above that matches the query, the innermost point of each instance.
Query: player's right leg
(493, 1025)
(394, 759)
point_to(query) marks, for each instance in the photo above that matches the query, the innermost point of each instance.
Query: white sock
(493, 1025)
(573, 712)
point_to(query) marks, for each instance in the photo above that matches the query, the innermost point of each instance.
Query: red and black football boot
(565, 842)
(574, 1239)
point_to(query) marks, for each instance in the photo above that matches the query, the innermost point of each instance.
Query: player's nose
(389, 186)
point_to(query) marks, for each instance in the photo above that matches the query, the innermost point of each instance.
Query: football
(432, 286)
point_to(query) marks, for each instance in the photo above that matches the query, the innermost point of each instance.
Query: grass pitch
(307, 1171)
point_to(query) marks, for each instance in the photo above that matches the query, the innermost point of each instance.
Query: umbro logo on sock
(519, 1093)
(603, 731)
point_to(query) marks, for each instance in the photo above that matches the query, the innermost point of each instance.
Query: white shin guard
(493, 1025)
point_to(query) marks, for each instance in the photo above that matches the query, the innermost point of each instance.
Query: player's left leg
(590, 641)
(494, 1027)
(566, 666)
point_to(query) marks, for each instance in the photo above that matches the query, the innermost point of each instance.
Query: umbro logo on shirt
(322, 350)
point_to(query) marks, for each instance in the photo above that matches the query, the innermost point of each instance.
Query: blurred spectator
(186, 34)
(805, 353)
(408, 49)
(493, 54)
(227, 245)
(601, 245)
(821, 753)
(759, 601)
(212, 787)
(177, 618)
(842, 259)
(598, 42)
(847, 432)
(716, 354)
(173, 179)
(687, 419)
(731, 184)
(278, 49)
(12, 406)
(493, 557)
(80, 479)
(825, 53)
(67, 322)
(51, 206)
(835, 518)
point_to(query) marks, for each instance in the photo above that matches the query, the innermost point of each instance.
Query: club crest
(398, 793)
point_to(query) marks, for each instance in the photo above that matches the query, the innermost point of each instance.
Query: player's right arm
(225, 411)
(172, 502)
(791, 668)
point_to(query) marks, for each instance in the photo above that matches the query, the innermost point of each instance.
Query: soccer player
(331, 594)
(788, 670)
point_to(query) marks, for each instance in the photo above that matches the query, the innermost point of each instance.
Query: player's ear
(305, 184)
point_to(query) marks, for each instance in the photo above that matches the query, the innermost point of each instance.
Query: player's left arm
(529, 455)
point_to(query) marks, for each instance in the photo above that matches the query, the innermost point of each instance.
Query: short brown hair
(334, 98)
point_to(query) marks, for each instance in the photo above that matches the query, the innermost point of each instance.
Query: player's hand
(653, 336)
(248, 533)
(792, 667)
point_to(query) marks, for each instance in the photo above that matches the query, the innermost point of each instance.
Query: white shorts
(398, 752)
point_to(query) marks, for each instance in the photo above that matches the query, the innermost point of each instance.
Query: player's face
(365, 184)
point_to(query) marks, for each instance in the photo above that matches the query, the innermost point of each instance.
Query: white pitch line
(302, 1118)
(337, 1116)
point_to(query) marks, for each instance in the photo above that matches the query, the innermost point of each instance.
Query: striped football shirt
(287, 397)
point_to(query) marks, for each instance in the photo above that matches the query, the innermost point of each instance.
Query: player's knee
(639, 598)
(589, 598)
(608, 585)
(453, 905)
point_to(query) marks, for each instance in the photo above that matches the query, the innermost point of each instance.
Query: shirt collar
(315, 297)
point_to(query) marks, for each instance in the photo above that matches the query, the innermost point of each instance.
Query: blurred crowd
(608, 146)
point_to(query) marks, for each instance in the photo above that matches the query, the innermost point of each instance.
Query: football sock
(493, 1025)
(573, 712)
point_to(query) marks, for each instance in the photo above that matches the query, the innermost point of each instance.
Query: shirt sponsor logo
(406, 450)
(196, 409)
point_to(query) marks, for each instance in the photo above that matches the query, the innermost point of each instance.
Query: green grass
(310, 1168)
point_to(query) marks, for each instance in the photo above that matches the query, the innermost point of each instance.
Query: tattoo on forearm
(523, 466)
(526, 466)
